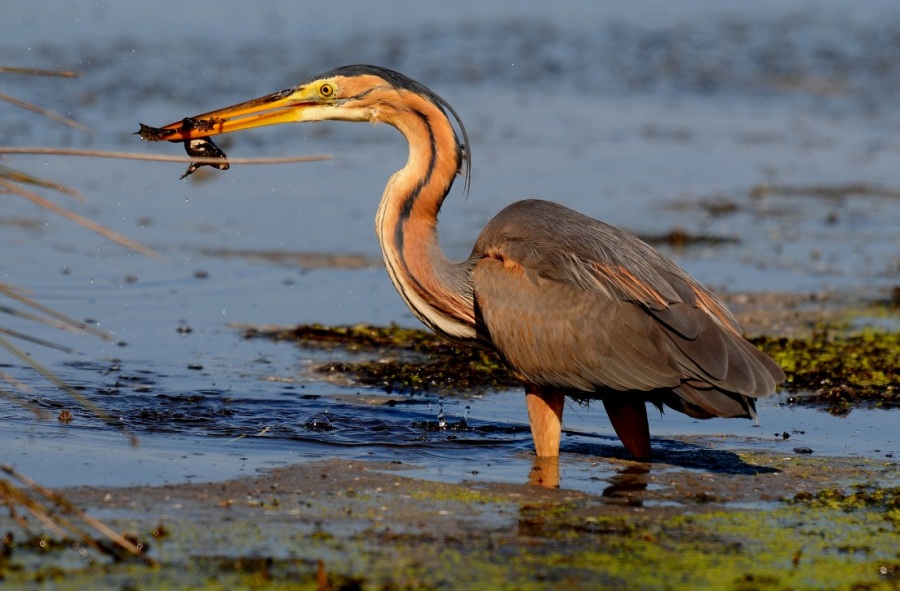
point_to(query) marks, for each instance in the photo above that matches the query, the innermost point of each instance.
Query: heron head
(349, 93)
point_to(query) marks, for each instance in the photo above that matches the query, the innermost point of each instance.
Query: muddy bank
(730, 521)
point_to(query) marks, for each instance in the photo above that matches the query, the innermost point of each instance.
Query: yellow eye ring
(326, 90)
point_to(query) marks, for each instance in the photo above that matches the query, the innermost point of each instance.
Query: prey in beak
(194, 132)
(199, 147)
(204, 148)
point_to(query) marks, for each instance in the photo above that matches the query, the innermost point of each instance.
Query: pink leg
(545, 410)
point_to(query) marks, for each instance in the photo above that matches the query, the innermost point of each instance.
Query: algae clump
(833, 368)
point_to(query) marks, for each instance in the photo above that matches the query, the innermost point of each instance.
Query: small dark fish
(204, 147)
(196, 148)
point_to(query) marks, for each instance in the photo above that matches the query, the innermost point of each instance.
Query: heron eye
(326, 89)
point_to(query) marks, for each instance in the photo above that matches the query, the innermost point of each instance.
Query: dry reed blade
(44, 320)
(66, 322)
(7, 492)
(17, 496)
(37, 411)
(14, 382)
(159, 157)
(18, 176)
(67, 507)
(81, 220)
(34, 340)
(39, 72)
(55, 380)
(42, 111)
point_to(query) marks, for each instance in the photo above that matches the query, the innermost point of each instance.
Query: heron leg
(545, 410)
(629, 418)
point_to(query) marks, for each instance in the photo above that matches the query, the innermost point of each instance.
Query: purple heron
(574, 306)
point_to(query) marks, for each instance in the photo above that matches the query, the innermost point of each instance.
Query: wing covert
(573, 303)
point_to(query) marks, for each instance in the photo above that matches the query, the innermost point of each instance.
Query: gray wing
(574, 303)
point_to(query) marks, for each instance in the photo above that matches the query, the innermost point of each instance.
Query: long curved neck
(437, 291)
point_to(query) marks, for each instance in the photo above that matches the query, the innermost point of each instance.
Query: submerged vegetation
(397, 359)
(833, 367)
(840, 370)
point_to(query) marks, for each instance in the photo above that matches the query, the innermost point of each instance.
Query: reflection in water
(544, 472)
(628, 484)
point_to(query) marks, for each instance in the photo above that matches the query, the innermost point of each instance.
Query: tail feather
(707, 402)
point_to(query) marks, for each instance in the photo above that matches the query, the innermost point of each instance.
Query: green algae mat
(834, 367)
(753, 521)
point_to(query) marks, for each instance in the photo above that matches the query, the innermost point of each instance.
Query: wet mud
(743, 521)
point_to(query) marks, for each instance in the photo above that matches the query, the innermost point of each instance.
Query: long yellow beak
(280, 107)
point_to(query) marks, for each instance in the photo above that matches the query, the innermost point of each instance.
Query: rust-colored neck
(437, 291)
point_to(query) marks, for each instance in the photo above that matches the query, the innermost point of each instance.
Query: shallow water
(650, 117)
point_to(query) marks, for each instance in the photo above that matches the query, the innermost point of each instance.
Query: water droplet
(440, 418)
(318, 422)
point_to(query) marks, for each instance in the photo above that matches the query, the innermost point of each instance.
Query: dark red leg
(629, 419)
